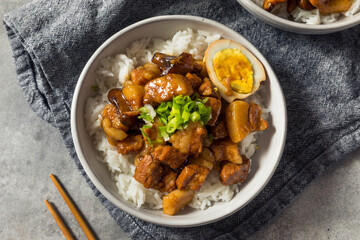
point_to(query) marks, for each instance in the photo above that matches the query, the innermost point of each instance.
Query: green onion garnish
(177, 114)
(145, 114)
(95, 88)
(144, 134)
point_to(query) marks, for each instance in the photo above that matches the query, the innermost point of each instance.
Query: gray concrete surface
(32, 149)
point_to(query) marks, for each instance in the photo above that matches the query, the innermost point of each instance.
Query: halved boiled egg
(235, 71)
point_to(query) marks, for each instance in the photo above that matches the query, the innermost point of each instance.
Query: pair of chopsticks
(72, 208)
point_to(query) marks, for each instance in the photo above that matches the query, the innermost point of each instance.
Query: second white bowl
(302, 28)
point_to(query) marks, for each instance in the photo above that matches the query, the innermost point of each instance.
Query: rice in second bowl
(112, 73)
(312, 17)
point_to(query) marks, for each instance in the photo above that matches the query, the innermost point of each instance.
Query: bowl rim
(292, 26)
(132, 210)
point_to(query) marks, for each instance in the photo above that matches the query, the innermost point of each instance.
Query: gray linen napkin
(52, 40)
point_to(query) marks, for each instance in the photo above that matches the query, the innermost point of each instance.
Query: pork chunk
(194, 80)
(215, 105)
(145, 150)
(219, 130)
(256, 121)
(165, 88)
(205, 159)
(142, 75)
(207, 89)
(226, 150)
(189, 140)
(131, 144)
(192, 177)
(149, 172)
(169, 155)
(176, 200)
(232, 173)
(168, 181)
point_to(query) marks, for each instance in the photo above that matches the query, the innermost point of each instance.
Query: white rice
(311, 17)
(112, 72)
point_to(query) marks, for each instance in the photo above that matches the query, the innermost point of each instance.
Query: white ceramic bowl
(265, 160)
(291, 26)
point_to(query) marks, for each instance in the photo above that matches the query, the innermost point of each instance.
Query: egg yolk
(231, 65)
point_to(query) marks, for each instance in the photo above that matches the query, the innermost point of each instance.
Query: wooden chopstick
(73, 209)
(59, 221)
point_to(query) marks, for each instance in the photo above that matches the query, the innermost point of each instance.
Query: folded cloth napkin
(53, 39)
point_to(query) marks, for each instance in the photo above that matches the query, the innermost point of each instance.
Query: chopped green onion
(176, 114)
(176, 110)
(185, 116)
(211, 137)
(195, 96)
(179, 100)
(95, 88)
(202, 108)
(144, 134)
(163, 119)
(172, 125)
(146, 115)
(195, 116)
(205, 118)
(164, 107)
(163, 133)
(189, 106)
(205, 100)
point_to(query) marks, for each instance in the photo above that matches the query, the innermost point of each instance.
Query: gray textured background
(32, 149)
